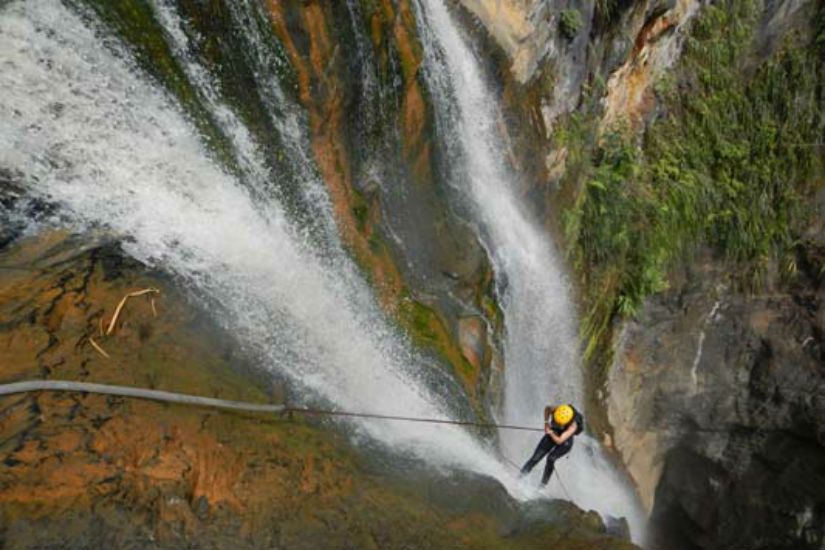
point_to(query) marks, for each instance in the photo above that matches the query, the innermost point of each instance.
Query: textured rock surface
(716, 397)
(643, 40)
(357, 67)
(88, 471)
(718, 405)
(656, 48)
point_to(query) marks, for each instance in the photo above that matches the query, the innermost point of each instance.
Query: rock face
(90, 471)
(715, 396)
(571, 43)
(718, 405)
(358, 72)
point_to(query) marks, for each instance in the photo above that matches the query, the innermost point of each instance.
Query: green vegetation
(729, 166)
(570, 23)
(428, 331)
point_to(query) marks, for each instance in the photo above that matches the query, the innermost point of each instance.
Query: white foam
(86, 130)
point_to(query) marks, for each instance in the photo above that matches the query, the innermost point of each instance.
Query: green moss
(422, 324)
(570, 23)
(360, 211)
(427, 331)
(729, 167)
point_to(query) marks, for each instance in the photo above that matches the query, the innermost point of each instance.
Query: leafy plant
(570, 23)
(727, 166)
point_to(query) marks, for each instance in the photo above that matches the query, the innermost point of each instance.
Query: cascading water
(542, 365)
(82, 128)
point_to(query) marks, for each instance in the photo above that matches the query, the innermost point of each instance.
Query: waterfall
(82, 128)
(542, 365)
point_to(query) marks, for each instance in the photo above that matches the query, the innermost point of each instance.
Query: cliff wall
(684, 173)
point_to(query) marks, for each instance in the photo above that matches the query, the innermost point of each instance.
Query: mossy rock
(91, 471)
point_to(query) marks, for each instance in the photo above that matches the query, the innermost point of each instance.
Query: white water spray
(81, 128)
(542, 364)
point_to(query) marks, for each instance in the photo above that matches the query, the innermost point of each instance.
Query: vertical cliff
(358, 74)
(684, 172)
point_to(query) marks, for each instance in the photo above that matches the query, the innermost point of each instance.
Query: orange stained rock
(321, 93)
(309, 481)
(472, 332)
(417, 148)
(376, 30)
(66, 442)
(216, 470)
(320, 49)
(314, 60)
(630, 96)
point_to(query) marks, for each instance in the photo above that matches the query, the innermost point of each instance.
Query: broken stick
(122, 303)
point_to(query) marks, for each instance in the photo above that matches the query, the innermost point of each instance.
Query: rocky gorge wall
(716, 397)
(707, 381)
(358, 74)
(706, 357)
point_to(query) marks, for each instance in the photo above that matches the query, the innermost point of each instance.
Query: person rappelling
(559, 432)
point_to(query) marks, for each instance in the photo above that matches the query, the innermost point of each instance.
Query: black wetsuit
(548, 447)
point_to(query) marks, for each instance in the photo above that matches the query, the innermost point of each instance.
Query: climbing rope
(412, 419)
(141, 393)
(563, 488)
(556, 471)
(187, 399)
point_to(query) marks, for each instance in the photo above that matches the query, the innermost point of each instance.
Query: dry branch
(122, 303)
(98, 348)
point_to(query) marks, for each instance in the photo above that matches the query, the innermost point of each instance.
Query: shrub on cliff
(570, 23)
(728, 164)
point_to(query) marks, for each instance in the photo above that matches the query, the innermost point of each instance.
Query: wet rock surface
(717, 399)
(372, 131)
(90, 471)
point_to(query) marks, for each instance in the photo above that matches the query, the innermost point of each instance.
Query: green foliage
(360, 211)
(570, 23)
(729, 166)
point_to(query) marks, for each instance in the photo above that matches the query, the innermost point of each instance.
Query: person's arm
(547, 412)
(565, 435)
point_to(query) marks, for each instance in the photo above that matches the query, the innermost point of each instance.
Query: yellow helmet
(563, 415)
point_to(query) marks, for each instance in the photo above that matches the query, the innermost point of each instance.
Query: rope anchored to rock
(187, 399)
(197, 400)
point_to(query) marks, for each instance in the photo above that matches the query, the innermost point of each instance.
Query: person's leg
(542, 449)
(555, 453)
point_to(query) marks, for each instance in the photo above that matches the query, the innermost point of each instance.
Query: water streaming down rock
(540, 351)
(80, 127)
(315, 218)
